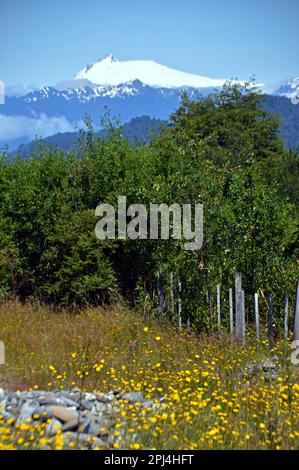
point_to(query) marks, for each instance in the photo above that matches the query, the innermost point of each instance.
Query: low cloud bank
(16, 127)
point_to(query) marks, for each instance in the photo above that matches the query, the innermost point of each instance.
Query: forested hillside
(289, 116)
(139, 129)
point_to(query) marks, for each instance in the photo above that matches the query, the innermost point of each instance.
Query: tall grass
(208, 399)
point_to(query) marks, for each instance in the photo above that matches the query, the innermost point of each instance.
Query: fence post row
(239, 325)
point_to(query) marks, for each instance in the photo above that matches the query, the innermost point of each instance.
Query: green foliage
(223, 151)
(74, 267)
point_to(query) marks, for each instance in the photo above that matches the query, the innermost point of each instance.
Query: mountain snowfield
(129, 89)
(110, 71)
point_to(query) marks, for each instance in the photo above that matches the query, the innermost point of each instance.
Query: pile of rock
(86, 418)
(268, 369)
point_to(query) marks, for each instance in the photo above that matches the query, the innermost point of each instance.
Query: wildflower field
(203, 396)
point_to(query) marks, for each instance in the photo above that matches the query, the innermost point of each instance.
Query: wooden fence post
(296, 319)
(238, 305)
(180, 303)
(271, 333)
(257, 318)
(286, 317)
(172, 293)
(218, 306)
(243, 320)
(231, 312)
(161, 292)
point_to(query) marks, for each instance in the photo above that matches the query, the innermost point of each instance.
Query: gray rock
(99, 427)
(76, 397)
(270, 366)
(70, 436)
(83, 417)
(108, 409)
(70, 403)
(14, 410)
(69, 395)
(81, 437)
(33, 394)
(86, 405)
(271, 376)
(97, 424)
(105, 398)
(252, 369)
(267, 369)
(148, 404)
(84, 424)
(51, 401)
(6, 415)
(43, 414)
(99, 443)
(3, 403)
(94, 428)
(99, 407)
(26, 413)
(53, 427)
(90, 396)
(133, 397)
(13, 396)
(62, 413)
(71, 425)
(14, 402)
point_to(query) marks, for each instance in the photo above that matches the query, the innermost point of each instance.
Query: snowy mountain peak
(108, 58)
(288, 88)
(110, 71)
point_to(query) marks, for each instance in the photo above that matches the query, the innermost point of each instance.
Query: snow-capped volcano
(110, 71)
(128, 89)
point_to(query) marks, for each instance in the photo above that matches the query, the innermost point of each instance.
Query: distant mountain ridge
(137, 130)
(288, 89)
(142, 128)
(73, 102)
(128, 89)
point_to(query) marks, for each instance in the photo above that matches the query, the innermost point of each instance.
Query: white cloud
(19, 90)
(15, 127)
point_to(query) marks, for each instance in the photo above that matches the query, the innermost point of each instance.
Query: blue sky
(44, 42)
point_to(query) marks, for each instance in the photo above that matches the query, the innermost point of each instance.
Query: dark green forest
(224, 151)
(142, 128)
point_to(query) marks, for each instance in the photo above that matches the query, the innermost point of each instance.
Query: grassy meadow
(206, 399)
